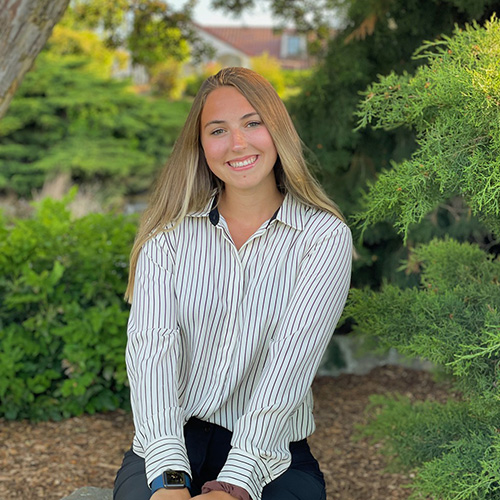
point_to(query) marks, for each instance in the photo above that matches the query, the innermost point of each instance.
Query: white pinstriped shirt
(234, 337)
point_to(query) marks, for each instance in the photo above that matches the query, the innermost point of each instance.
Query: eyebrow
(218, 122)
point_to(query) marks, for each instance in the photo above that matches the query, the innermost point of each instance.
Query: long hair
(186, 183)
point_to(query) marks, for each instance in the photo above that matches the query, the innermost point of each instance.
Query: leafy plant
(269, 68)
(151, 30)
(194, 81)
(62, 314)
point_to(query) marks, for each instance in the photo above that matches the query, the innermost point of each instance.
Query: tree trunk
(25, 26)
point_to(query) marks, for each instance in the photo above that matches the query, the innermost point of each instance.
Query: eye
(217, 131)
(254, 123)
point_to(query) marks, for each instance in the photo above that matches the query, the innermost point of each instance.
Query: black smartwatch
(171, 480)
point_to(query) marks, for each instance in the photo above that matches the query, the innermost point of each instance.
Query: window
(293, 46)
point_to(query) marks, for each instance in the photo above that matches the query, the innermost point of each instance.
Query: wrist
(237, 492)
(170, 480)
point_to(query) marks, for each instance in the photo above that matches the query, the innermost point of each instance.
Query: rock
(357, 355)
(90, 493)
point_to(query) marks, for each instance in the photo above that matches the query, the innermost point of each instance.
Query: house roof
(252, 41)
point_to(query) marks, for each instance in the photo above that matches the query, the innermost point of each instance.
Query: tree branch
(25, 26)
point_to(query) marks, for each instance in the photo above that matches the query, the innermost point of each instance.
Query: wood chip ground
(49, 460)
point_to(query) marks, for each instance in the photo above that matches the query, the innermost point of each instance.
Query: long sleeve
(152, 355)
(261, 437)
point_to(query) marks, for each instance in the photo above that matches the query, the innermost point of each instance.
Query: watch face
(173, 479)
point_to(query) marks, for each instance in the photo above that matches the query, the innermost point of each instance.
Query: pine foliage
(378, 37)
(453, 104)
(455, 447)
(453, 317)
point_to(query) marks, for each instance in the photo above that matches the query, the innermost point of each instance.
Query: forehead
(225, 103)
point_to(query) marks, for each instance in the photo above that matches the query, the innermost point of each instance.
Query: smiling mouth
(243, 163)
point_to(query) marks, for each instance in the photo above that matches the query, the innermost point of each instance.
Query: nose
(239, 140)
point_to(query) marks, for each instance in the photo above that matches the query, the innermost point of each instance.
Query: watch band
(171, 479)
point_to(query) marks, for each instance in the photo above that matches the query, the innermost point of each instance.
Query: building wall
(225, 53)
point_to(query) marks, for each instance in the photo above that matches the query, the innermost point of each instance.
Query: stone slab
(356, 355)
(90, 493)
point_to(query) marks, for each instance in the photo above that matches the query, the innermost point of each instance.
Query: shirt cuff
(247, 471)
(235, 491)
(166, 453)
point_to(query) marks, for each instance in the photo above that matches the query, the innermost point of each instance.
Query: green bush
(166, 79)
(62, 313)
(269, 67)
(192, 82)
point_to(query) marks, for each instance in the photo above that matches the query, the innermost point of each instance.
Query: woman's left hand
(214, 495)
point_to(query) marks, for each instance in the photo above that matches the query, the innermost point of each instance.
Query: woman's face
(238, 147)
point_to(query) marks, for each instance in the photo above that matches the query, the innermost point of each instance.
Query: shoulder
(329, 236)
(159, 249)
(193, 228)
(319, 224)
(318, 232)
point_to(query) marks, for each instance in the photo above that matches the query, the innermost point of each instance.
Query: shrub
(269, 67)
(193, 82)
(62, 313)
(166, 79)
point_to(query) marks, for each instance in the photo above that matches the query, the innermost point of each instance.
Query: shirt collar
(291, 212)
(207, 209)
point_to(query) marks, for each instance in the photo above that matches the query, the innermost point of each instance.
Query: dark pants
(208, 446)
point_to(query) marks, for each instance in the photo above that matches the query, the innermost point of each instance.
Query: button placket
(236, 279)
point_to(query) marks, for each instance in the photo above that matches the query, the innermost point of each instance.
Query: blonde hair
(186, 183)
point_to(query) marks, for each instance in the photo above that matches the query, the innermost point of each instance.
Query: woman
(239, 274)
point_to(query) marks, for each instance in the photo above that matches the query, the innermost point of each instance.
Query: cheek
(271, 148)
(266, 141)
(213, 150)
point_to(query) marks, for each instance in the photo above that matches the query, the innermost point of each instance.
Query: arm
(152, 354)
(262, 435)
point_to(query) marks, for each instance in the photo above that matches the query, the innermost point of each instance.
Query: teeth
(237, 164)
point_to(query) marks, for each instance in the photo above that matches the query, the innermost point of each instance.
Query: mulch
(49, 460)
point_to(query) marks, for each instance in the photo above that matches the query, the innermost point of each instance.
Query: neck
(250, 206)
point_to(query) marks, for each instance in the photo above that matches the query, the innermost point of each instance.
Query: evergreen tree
(70, 116)
(378, 37)
(452, 103)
